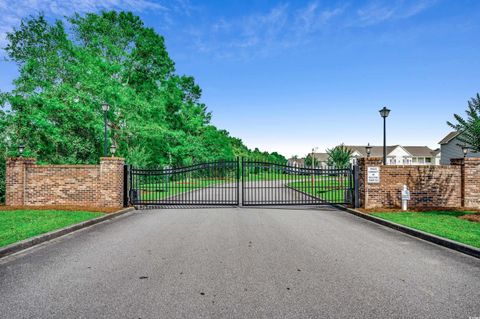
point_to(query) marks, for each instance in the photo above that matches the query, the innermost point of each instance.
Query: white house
(399, 155)
(396, 155)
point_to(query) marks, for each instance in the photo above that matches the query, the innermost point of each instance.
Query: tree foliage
(3, 153)
(339, 156)
(309, 160)
(469, 126)
(67, 70)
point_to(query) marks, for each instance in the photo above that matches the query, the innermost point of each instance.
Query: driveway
(239, 263)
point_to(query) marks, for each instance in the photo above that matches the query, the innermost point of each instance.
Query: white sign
(373, 175)
(405, 193)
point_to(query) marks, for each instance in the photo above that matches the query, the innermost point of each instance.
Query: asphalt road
(239, 263)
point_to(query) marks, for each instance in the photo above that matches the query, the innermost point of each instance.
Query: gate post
(111, 182)
(15, 180)
(356, 195)
(126, 176)
(243, 182)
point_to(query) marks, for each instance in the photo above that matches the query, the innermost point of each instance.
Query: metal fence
(214, 183)
(266, 183)
(249, 182)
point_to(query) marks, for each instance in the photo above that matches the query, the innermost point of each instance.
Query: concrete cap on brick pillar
(370, 160)
(112, 159)
(21, 160)
(462, 160)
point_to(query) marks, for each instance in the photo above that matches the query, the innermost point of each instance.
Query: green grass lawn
(327, 188)
(162, 190)
(441, 223)
(16, 225)
(272, 176)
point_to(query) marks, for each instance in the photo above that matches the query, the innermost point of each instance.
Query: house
(396, 155)
(399, 155)
(296, 162)
(451, 147)
(321, 160)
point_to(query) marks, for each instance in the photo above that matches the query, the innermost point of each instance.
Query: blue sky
(290, 75)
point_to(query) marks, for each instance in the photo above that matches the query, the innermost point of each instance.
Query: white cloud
(378, 12)
(312, 17)
(261, 33)
(11, 14)
(289, 25)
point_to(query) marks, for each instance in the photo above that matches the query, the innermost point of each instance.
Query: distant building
(296, 162)
(451, 147)
(396, 155)
(399, 155)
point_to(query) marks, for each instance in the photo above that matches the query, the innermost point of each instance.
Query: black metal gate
(215, 183)
(275, 184)
(252, 183)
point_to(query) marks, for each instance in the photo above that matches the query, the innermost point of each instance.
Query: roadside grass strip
(445, 224)
(16, 225)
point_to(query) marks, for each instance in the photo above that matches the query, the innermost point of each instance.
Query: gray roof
(322, 157)
(450, 136)
(298, 161)
(377, 151)
(420, 151)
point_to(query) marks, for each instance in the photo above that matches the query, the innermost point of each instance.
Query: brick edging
(463, 248)
(30, 242)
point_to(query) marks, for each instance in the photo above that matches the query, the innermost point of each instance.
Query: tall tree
(469, 127)
(67, 70)
(339, 156)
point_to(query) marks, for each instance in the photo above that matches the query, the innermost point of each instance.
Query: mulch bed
(471, 217)
(63, 207)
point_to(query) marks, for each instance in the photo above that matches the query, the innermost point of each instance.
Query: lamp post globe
(21, 149)
(384, 112)
(113, 149)
(368, 148)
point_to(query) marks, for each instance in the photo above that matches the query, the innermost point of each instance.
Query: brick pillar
(111, 182)
(470, 181)
(16, 174)
(363, 164)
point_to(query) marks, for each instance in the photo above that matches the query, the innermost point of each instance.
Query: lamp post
(384, 113)
(313, 158)
(368, 148)
(21, 148)
(105, 108)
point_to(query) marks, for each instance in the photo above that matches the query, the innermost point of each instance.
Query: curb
(30, 242)
(463, 248)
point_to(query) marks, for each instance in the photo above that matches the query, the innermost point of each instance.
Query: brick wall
(470, 181)
(449, 186)
(29, 184)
